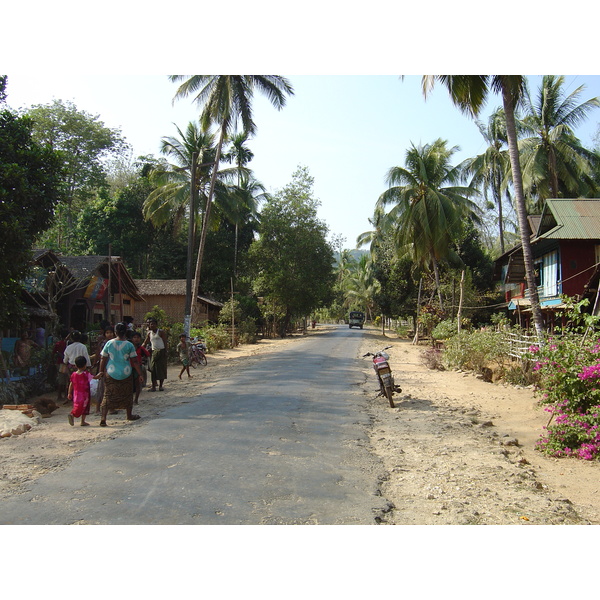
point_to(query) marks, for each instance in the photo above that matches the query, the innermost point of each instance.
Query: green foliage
(216, 337)
(226, 312)
(444, 330)
(160, 315)
(84, 143)
(475, 351)
(30, 188)
(402, 331)
(429, 317)
(293, 262)
(499, 320)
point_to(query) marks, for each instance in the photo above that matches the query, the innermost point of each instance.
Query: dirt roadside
(458, 450)
(448, 448)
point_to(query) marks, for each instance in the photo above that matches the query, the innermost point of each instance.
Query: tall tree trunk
(205, 222)
(553, 172)
(511, 132)
(498, 194)
(436, 271)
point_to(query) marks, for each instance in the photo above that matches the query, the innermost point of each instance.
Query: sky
(348, 130)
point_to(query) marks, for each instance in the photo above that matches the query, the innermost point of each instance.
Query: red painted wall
(575, 257)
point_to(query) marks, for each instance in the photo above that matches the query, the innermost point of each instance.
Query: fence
(519, 343)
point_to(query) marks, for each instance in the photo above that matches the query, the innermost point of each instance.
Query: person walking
(118, 373)
(79, 392)
(74, 349)
(183, 348)
(158, 359)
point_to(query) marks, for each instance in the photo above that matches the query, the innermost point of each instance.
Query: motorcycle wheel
(203, 360)
(388, 394)
(193, 362)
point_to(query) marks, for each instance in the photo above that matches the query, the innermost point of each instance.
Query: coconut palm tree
(428, 207)
(469, 93)
(361, 286)
(225, 100)
(375, 237)
(489, 169)
(555, 164)
(170, 200)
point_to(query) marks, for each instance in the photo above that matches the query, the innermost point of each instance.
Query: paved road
(278, 440)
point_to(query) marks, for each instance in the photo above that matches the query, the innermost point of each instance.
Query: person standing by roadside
(118, 373)
(158, 359)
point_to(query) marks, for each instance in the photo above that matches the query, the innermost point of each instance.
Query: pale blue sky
(348, 130)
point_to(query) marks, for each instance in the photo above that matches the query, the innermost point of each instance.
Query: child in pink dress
(79, 391)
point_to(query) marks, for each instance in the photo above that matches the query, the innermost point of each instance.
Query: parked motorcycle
(381, 366)
(198, 353)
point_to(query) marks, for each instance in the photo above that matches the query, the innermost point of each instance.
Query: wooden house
(565, 242)
(81, 291)
(169, 295)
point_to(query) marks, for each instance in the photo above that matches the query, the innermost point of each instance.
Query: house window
(550, 274)
(538, 268)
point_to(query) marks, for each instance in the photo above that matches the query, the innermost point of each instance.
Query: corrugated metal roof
(568, 219)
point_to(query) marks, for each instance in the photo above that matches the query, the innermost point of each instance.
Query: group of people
(119, 365)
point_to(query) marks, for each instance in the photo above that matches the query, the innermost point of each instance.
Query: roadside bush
(402, 331)
(520, 373)
(216, 337)
(475, 351)
(444, 330)
(569, 388)
(247, 331)
(432, 359)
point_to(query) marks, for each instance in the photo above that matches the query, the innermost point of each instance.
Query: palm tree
(169, 202)
(241, 155)
(225, 100)
(427, 212)
(376, 236)
(170, 199)
(361, 286)
(469, 93)
(241, 207)
(555, 163)
(490, 168)
(238, 153)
